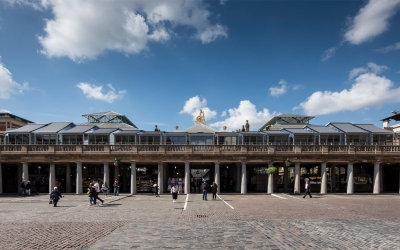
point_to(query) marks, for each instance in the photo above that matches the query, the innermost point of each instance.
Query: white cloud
(389, 48)
(5, 111)
(96, 92)
(8, 86)
(371, 67)
(85, 29)
(368, 90)
(33, 4)
(371, 20)
(245, 111)
(328, 54)
(280, 90)
(193, 106)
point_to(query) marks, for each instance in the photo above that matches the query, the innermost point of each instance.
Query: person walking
(55, 196)
(214, 189)
(116, 187)
(28, 188)
(308, 189)
(205, 187)
(22, 188)
(174, 192)
(96, 192)
(156, 187)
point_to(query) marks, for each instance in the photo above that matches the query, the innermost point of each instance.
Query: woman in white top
(174, 192)
(105, 188)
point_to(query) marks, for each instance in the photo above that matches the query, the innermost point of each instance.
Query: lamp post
(116, 162)
(286, 176)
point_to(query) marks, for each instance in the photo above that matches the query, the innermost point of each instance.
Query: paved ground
(232, 221)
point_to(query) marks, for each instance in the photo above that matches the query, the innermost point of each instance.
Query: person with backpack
(55, 196)
(205, 187)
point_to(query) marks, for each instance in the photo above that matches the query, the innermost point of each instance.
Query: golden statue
(201, 118)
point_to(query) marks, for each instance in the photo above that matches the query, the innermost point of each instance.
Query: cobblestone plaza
(234, 221)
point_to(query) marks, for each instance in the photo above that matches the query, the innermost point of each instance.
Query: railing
(284, 148)
(176, 148)
(257, 148)
(66, 148)
(40, 148)
(121, 148)
(148, 148)
(11, 148)
(338, 148)
(230, 148)
(188, 149)
(202, 148)
(311, 148)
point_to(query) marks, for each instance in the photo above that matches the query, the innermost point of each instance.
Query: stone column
(52, 176)
(350, 178)
(160, 180)
(187, 177)
(133, 177)
(286, 179)
(324, 182)
(1, 179)
(377, 178)
(270, 189)
(25, 171)
(106, 174)
(79, 178)
(297, 178)
(333, 178)
(243, 189)
(238, 176)
(68, 178)
(216, 178)
(116, 172)
(381, 170)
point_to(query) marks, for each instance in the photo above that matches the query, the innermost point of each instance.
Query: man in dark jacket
(308, 189)
(205, 187)
(55, 196)
(23, 189)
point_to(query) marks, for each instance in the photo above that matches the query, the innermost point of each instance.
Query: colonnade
(241, 173)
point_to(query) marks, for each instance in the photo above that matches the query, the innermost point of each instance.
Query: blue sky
(159, 62)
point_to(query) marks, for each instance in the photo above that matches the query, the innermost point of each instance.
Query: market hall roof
(109, 119)
(54, 127)
(287, 119)
(346, 127)
(79, 129)
(26, 129)
(373, 129)
(6, 114)
(200, 128)
(322, 129)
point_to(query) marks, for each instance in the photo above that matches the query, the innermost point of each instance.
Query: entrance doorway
(197, 176)
(10, 184)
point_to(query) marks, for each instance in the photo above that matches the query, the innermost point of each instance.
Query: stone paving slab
(238, 222)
